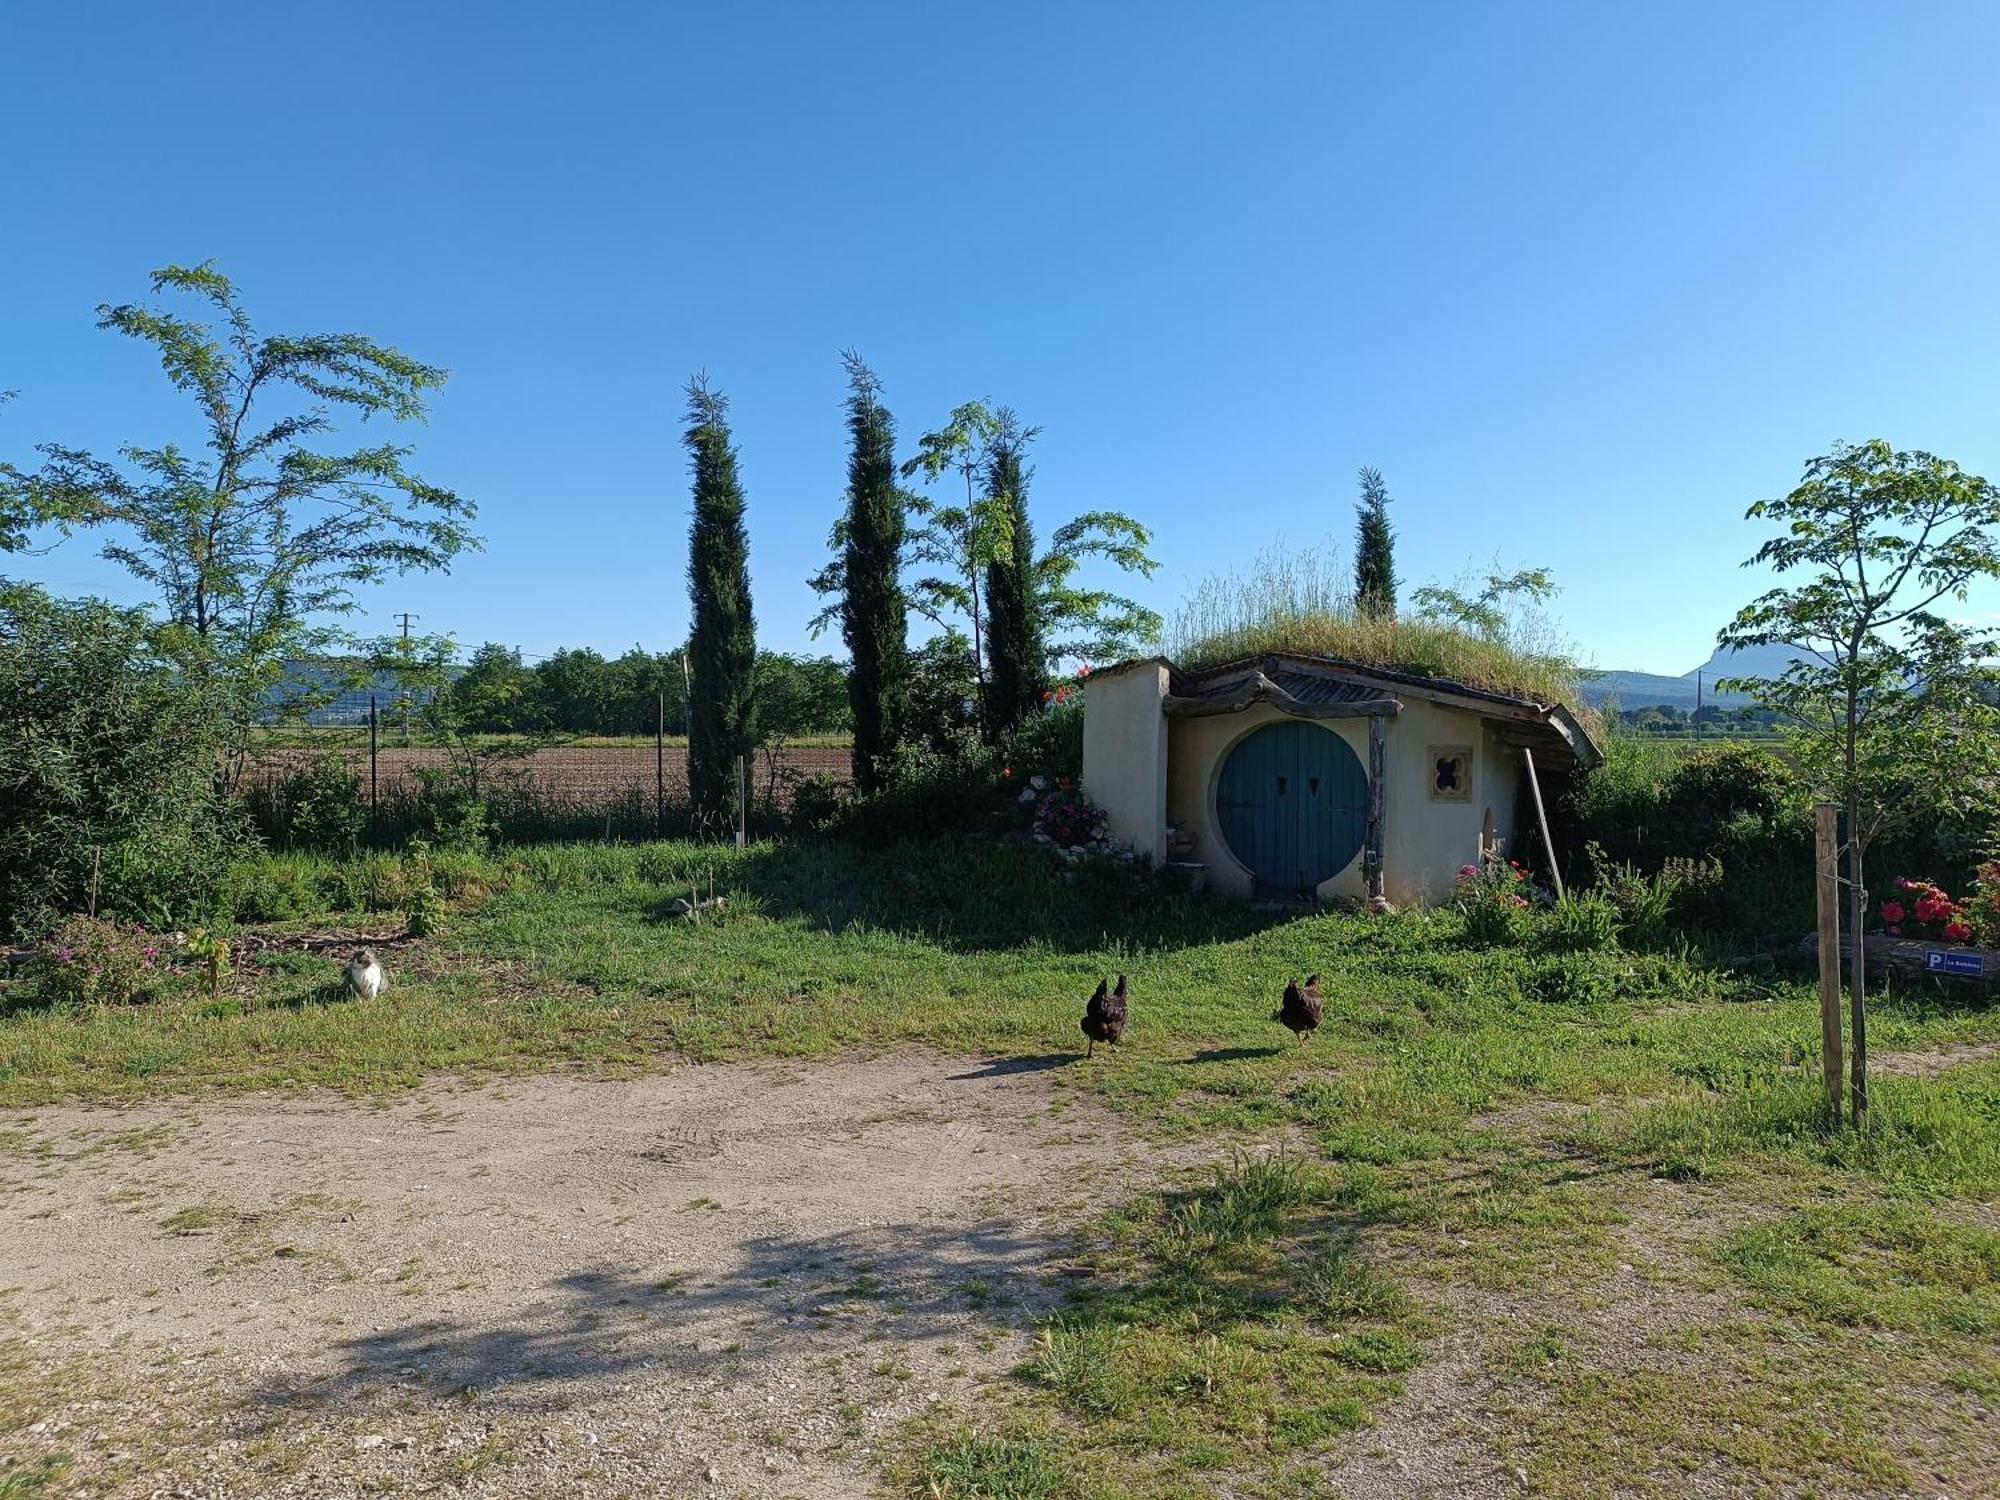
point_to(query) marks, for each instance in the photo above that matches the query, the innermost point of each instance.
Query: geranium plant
(1923, 909)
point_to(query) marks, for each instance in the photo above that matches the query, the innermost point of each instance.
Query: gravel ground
(716, 1281)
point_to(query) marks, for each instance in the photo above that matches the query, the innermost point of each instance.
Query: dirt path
(1931, 1064)
(717, 1281)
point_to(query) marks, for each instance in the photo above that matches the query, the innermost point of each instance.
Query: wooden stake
(742, 801)
(1542, 817)
(1826, 855)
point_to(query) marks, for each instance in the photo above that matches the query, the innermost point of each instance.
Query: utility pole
(406, 617)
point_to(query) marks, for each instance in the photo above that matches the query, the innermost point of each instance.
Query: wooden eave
(1256, 688)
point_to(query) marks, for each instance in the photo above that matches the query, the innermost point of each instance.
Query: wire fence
(529, 791)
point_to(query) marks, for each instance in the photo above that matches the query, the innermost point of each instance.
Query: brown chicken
(1302, 1008)
(1104, 1016)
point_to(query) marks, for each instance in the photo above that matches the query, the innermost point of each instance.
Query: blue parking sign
(1964, 965)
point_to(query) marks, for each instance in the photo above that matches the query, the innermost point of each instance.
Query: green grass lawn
(1604, 1174)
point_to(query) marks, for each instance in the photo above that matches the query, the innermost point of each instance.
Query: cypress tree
(1375, 550)
(872, 619)
(722, 652)
(1014, 645)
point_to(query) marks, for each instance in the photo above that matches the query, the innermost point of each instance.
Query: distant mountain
(1646, 689)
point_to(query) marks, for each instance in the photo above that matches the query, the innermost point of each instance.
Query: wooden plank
(1826, 841)
(1542, 817)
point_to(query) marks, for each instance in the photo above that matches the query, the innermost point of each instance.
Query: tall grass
(1300, 599)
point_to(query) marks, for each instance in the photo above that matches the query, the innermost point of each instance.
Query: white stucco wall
(1125, 754)
(1424, 841)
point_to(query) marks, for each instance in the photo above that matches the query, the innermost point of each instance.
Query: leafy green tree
(253, 542)
(491, 693)
(1486, 613)
(801, 695)
(961, 540)
(1884, 710)
(108, 751)
(1375, 550)
(1041, 615)
(573, 691)
(873, 619)
(722, 652)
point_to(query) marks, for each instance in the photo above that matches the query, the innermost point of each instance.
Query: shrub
(1575, 979)
(317, 804)
(817, 803)
(1983, 905)
(109, 762)
(1068, 819)
(95, 961)
(1735, 810)
(1583, 922)
(426, 909)
(1050, 743)
(929, 797)
(1493, 899)
(448, 813)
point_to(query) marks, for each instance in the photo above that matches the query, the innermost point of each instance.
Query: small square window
(1450, 772)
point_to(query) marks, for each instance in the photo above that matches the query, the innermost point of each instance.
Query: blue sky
(1582, 280)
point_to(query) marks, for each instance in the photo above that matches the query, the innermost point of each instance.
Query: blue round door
(1292, 803)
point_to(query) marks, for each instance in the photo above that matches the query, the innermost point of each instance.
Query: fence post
(374, 728)
(1826, 856)
(660, 771)
(742, 800)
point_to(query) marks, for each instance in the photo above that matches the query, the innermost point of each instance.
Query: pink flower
(1467, 873)
(1958, 932)
(1892, 911)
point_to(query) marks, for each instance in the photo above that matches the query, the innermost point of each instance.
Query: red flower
(1892, 911)
(1928, 909)
(1007, 773)
(1958, 932)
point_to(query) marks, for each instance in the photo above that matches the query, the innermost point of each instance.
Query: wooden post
(660, 771)
(1857, 975)
(1542, 817)
(1378, 759)
(374, 738)
(742, 801)
(1826, 855)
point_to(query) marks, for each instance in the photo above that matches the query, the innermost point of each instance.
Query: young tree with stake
(1887, 708)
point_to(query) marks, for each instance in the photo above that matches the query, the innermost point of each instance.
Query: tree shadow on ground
(785, 1298)
(984, 897)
